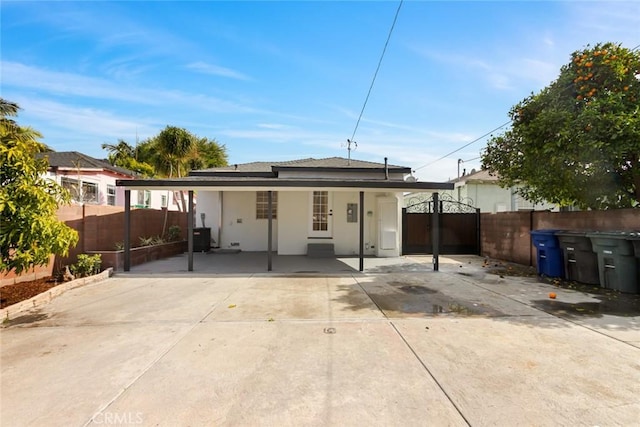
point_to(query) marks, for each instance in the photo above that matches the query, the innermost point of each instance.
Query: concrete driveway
(397, 345)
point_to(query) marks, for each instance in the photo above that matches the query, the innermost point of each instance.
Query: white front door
(320, 224)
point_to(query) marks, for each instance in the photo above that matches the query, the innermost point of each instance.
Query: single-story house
(351, 207)
(92, 181)
(482, 190)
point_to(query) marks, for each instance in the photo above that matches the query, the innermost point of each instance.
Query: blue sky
(285, 80)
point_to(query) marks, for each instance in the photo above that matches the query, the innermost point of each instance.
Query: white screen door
(321, 214)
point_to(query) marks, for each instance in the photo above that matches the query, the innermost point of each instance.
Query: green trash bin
(635, 241)
(617, 263)
(580, 262)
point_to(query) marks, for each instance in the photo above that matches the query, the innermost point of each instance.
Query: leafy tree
(118, 152)
(124, 155)
(173, 146)
(29, 229)
(173, 152)
(206, 154)
(577, 142)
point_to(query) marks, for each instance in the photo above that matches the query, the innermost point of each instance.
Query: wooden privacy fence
(506, 235)
(101, 228)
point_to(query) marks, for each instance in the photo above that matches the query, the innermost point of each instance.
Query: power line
(377, 69)
(465, 146)
(570, 85)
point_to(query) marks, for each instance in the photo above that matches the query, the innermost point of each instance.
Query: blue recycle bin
(549, 253)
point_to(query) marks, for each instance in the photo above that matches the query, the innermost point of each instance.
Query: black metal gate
(459, 226)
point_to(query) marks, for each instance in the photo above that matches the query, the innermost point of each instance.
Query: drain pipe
(386, 169)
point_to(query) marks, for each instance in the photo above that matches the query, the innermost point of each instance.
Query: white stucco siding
(209, 204)
(346, 234)
(239, 227)
(232, 219)
(293, 214)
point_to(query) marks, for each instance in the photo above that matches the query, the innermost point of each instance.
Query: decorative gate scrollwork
(424, 204)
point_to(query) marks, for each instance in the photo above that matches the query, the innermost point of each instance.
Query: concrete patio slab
(396, 345)
(289, 373)
(512, 370)
(301, 298)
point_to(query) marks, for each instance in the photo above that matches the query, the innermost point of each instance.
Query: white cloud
(90, 123)
(22, 76)
(217, 70)
(457, 59)
(272, 126)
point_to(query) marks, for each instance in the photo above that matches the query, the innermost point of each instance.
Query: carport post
(127, 230)
(362, 231)
(190, 232)
(270, 228)
(435, 232)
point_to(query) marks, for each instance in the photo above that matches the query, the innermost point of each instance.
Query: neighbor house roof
(73, 160)
(481, 176)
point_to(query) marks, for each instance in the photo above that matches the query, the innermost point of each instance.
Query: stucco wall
(239, 227)
(291, 231)
(209, 204)
(346, 234)
(294, 212)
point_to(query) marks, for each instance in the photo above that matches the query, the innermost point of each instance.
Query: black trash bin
(201, 239)
(617, 262)
(580, 262)
(549, 253)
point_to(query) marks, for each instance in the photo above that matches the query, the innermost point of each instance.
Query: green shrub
(174, 233)
(157, 240)
(87, 265)
(146, 241)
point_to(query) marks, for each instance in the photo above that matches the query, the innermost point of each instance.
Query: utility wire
(377, 69)
(466, 145)
(486, 134)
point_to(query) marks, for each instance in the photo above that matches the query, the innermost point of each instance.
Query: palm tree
(173, 145)
(119, 152)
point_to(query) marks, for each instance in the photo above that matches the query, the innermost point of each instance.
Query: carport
(191, 184)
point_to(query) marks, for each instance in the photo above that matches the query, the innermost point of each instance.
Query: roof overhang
(253, 184)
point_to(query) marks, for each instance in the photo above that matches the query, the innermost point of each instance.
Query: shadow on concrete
(233, 264)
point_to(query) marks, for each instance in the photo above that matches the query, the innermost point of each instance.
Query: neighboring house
(354, 207)
(481, 190)
(93, 181)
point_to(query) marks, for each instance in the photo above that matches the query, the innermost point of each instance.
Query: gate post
(479, 231)
(435, 232)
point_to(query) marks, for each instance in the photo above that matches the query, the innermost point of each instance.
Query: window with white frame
(81, 191)
(163, 201)
(262, 205)
(144, 198)
(111, 195)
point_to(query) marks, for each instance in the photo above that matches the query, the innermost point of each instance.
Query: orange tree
(29, 228)
(577, 142)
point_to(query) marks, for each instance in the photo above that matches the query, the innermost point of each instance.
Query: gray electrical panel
(352, 212)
